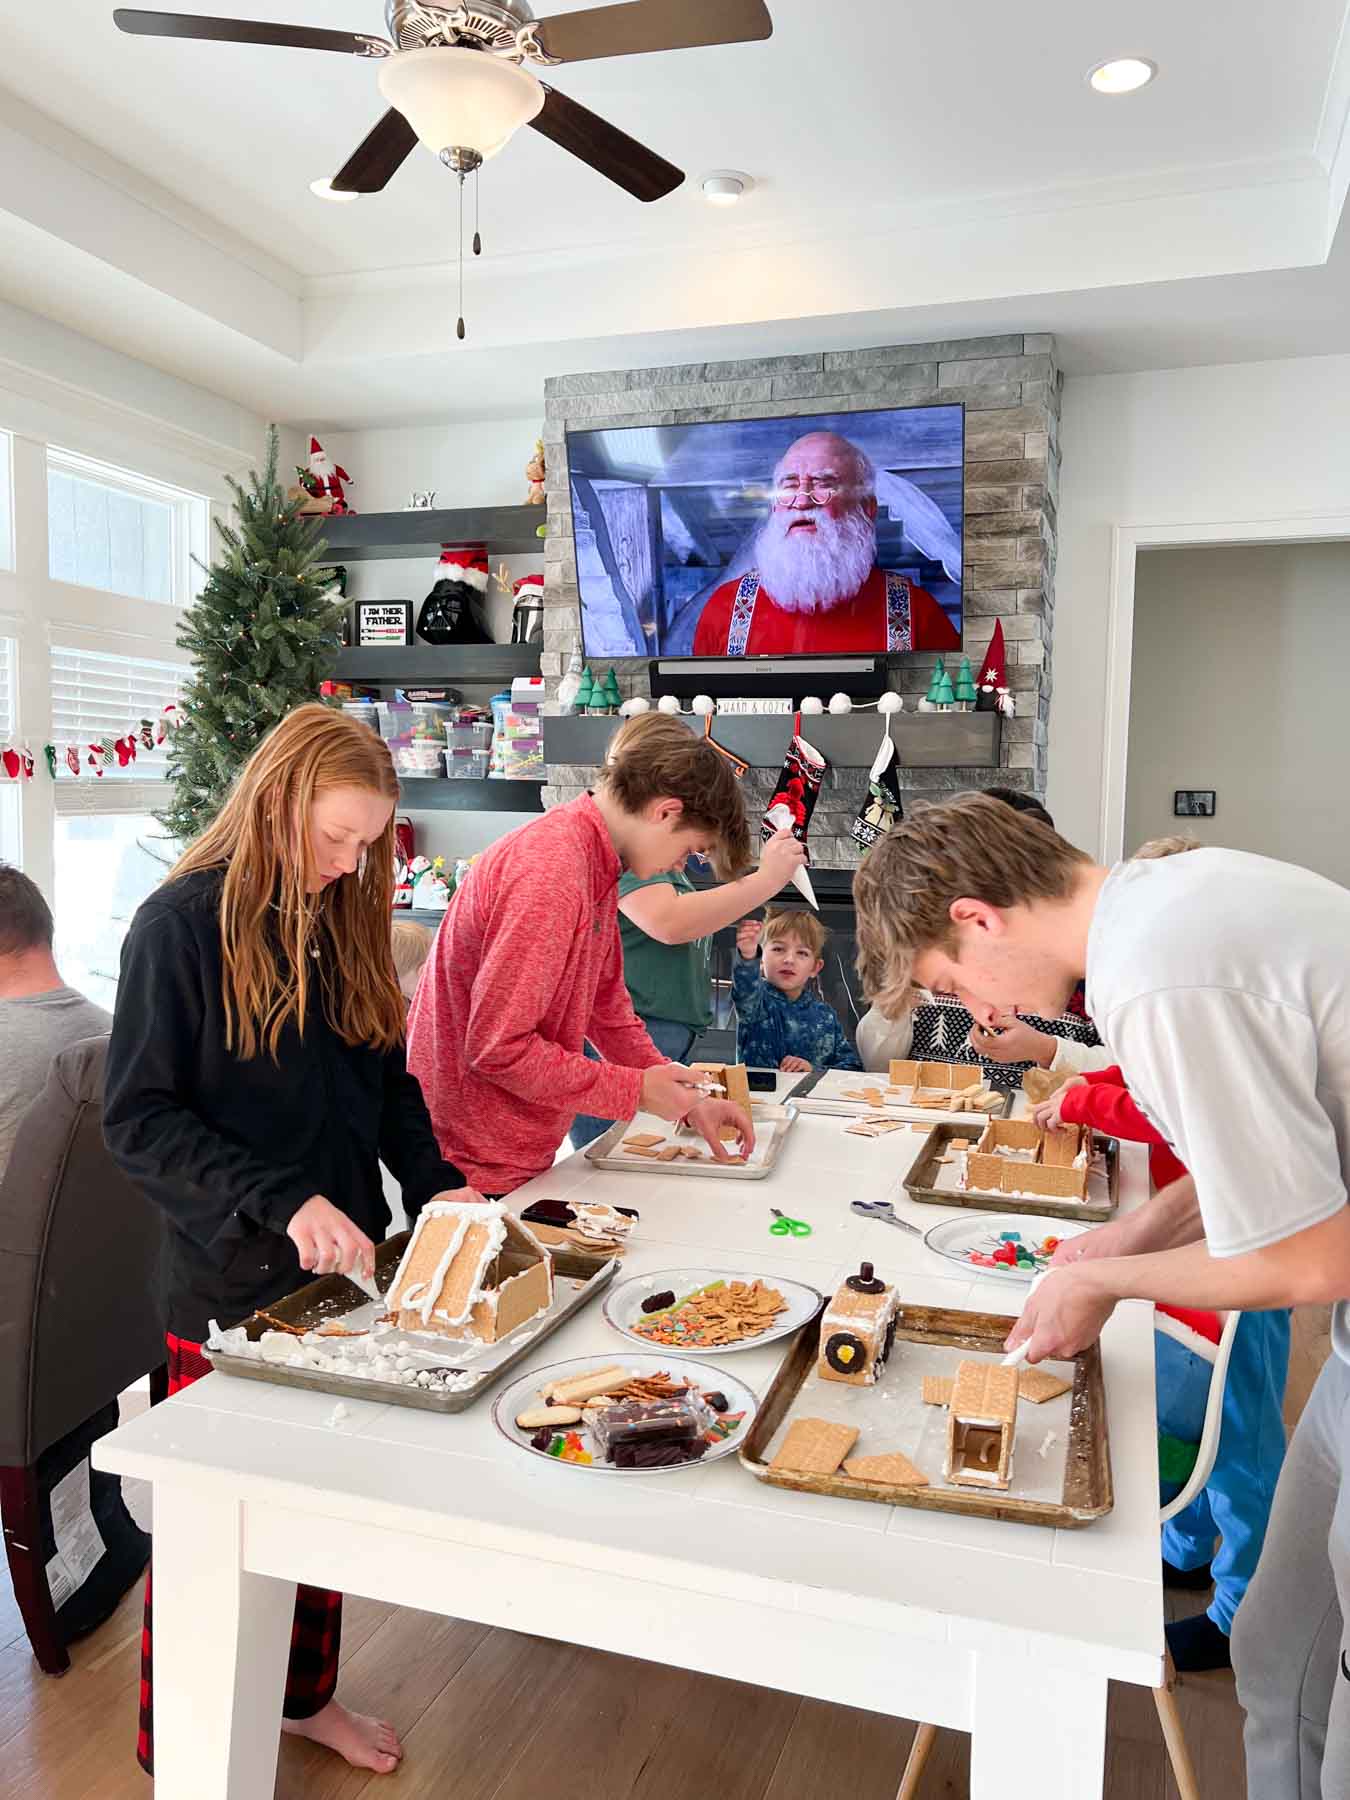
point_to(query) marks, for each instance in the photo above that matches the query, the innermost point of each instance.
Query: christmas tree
(944, 696)
(965, 695)
(934, 695)
(586, 692)
(613, 697)
(263, 635)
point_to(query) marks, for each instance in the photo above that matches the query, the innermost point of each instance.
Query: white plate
(525, 1392)
(623, 1304)
(956, 1238)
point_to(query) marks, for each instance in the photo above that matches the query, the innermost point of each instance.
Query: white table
(1008, 1632)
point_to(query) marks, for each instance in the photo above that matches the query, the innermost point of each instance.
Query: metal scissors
(883, 1210)
(784, 1227)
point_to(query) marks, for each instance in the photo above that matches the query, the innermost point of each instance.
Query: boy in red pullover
(1235, 1502)
(528, 964)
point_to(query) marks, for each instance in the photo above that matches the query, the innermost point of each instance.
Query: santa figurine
(452, 611)
(323, 482)
(994, 694)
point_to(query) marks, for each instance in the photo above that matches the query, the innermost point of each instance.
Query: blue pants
(1235, 1502)
(671, 1038)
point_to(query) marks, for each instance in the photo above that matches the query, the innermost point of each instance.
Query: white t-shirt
(1221, 981)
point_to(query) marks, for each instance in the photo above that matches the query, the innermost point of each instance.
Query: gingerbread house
(732, 1079)
(470, 1271)
(857, 1330)
(945, 1087)
(1014, 1156)
(981, 1425)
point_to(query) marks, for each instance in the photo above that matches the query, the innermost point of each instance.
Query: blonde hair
(804, 926)
(269, 921)
(1158, 847)
(654, 757)
(411, 944)
(970, 847)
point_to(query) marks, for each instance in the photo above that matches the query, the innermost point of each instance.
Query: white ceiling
(931, 167)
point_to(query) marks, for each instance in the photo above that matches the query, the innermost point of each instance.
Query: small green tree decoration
(263, 634)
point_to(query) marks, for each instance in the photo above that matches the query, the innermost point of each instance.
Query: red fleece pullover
(527, 963)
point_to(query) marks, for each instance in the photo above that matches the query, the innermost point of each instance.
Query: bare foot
(363, 1742)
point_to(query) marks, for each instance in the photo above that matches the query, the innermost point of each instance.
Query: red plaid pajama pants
(315, 1636)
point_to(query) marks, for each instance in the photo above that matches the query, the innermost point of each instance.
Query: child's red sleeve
(1112, 1077)
(1108, 1109)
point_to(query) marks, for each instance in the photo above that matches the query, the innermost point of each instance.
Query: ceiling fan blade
(245, 31)
(641, 25)
(612, 152)
(380, 156)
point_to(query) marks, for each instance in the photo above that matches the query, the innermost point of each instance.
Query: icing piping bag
(1015, 1358)
(781, 820)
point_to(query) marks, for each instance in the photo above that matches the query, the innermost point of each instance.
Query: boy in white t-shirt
(1220, 981)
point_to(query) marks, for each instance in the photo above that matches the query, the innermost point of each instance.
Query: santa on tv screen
(838, 533)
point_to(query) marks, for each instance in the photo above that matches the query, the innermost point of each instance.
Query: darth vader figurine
(452, 612)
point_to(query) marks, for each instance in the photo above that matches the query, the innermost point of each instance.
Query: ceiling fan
(455, 76)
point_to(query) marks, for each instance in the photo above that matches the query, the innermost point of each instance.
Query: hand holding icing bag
(794, 800)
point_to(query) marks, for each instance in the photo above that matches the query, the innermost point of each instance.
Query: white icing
(421, 1297)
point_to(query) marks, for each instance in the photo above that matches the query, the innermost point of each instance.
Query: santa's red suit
(889, 612)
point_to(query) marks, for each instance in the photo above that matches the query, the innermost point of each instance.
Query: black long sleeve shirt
(230, 1150)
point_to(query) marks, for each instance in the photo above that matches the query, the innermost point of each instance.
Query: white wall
(1219, 445)
(1232, 649)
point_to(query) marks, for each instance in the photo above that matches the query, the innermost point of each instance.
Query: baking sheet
(772, 1125)
(577, 1281)
(934, 1183)
(1069, 1486)
(826, 1096)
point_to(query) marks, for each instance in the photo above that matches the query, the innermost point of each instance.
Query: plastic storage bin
(464, 764)
(415, 735)
(365, 712)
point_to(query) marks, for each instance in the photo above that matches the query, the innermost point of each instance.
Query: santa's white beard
(811, 571)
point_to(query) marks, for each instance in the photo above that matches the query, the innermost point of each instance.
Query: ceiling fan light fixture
(724, 187)
(458, 99)
(1122, 75)
(326, 191)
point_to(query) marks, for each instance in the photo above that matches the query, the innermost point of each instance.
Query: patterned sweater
(770, 1026)
(942, 1034)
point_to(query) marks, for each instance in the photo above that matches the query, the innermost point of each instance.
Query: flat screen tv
(833, 534)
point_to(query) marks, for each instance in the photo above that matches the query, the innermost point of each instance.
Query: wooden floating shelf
(923, 740)
(469, 794)
(406, 665)
(419, 532)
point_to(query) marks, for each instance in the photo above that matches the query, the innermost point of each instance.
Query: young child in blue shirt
(779, 1024)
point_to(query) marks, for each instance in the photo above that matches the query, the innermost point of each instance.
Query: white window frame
(116, 790)
(11, 792)
(6, 501)
(189, 513)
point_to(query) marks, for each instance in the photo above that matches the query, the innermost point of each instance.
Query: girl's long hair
(276, 938)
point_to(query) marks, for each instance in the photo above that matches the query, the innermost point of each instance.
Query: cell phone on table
(762, 1080)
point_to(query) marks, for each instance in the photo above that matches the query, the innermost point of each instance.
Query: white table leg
(1038, 1732)
(221, 1640)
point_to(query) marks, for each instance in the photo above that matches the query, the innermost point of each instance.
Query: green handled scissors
(784, 1227)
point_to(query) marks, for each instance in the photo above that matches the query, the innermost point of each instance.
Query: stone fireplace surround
(1011, 389)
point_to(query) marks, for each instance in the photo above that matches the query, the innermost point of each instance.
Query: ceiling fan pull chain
(477, 240)
(459, 327)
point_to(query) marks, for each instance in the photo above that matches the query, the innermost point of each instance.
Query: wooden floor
(489, 1715)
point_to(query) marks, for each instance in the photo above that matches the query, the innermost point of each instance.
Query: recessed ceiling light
(724, 187)
(326, 191)
(1123, 75)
